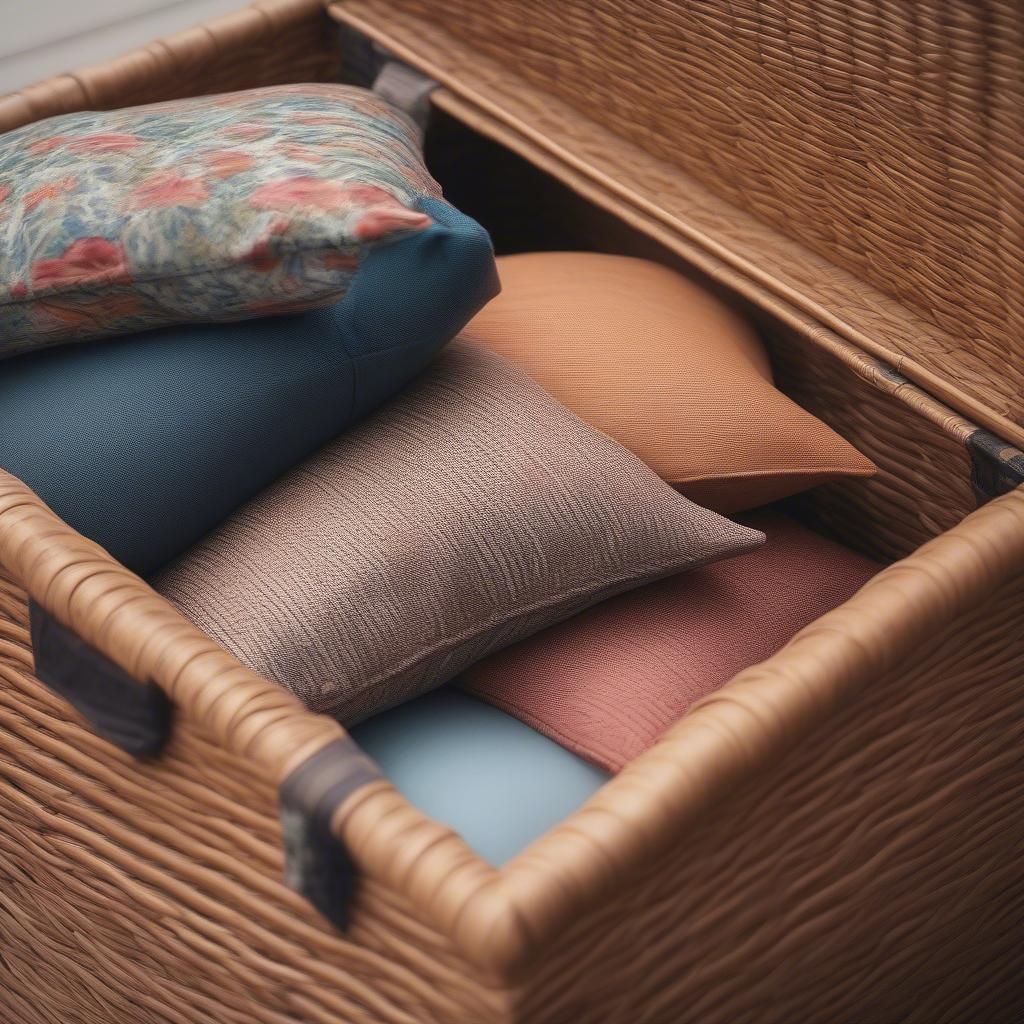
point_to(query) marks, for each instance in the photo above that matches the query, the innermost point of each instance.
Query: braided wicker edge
(277, 41)
(118, 614)
(501, 919)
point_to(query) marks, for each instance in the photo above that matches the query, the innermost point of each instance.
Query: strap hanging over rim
(316, 864)
(407, 89)
(370, 65)
(134, 716)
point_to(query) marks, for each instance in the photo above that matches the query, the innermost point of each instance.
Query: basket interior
(923, 487)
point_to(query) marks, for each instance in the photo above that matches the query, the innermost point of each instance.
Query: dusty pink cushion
(607, 683)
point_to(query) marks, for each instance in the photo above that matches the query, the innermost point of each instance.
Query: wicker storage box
(836, 835)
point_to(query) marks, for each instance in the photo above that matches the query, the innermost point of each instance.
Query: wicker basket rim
(500, 918)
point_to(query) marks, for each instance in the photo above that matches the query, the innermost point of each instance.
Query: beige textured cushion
(468, 513)
(667, 369)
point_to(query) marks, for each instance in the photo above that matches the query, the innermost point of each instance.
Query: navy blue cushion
(144, 443)
(469, 765)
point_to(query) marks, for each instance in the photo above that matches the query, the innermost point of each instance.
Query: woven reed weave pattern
(875, 876)
(169, 907)
(923, 486)
(885, 137)
(153, 894)
(267, 43)
(174, 851)
(948, 360)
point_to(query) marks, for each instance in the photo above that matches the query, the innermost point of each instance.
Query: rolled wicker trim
(168, 902)
(752, 722)
(869, 873)
(502, 919)
(150, 892)
(265, 43)
(118, 614)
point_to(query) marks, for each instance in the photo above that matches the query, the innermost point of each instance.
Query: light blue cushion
(494, 780)
(144, 443)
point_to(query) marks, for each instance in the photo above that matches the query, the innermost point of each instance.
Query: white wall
(40, 38)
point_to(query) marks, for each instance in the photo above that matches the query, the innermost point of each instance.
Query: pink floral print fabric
(216, 208)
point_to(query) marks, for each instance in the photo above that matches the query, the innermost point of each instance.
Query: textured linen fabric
(204, 209)
(469, 512)
(607, 683)
(668, 370)
(483, 773)
(147, 442)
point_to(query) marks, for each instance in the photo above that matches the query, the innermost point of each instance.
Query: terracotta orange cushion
(666, 369)
(607, 683)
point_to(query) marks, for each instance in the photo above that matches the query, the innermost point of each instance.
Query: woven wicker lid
(864, 159)
(865, 155)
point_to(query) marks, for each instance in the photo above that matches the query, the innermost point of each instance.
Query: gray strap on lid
(407, 89)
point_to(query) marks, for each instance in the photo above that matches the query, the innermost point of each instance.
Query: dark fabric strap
(361, 57)
(996, 467)
(371, 66)
(407, 89)
(134, 716)
(316, 864)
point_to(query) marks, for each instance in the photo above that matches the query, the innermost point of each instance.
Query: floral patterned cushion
(216, 208)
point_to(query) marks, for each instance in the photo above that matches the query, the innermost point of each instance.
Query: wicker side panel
(923, 486)
(267, 43)
(886, 138)
(153, 894)
(874, 876)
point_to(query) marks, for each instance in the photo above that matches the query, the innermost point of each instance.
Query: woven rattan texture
(875, 876)
(268, 43)
(923, 486)
(861, 160)
(917, 778)
(152, 894)
(953, 360)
